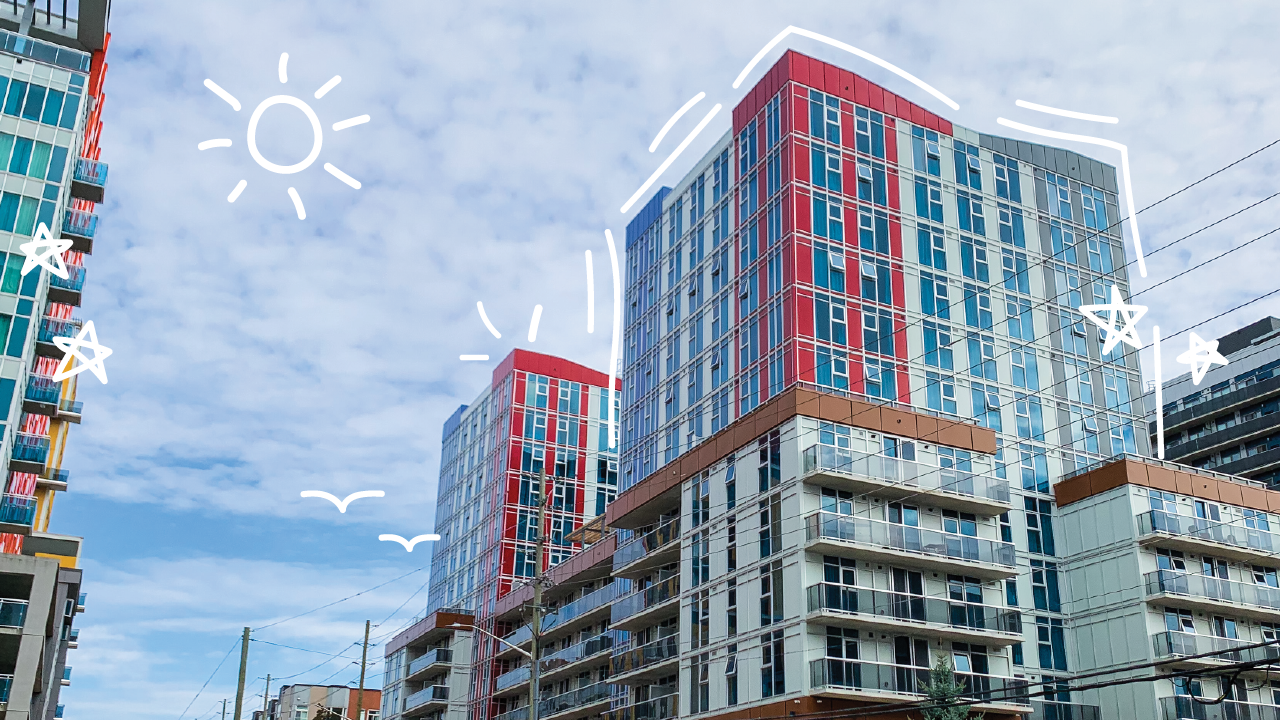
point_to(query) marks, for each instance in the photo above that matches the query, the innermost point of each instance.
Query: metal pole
(536, 623)
(266, 697)
(224, 709)
(364, 654)
(244, 663)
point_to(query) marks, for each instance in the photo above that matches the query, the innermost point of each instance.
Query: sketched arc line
(493, 330)
(670, 159)
(533, 323)
(672, 121)
(1124, 167)
(617, 330)
(793, 30)
(591, 296)
(1066, 113)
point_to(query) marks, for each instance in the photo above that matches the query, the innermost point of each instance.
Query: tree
(326, 713)
(943, 690)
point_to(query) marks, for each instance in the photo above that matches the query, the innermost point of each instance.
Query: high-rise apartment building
(539, 413)
(52, 67)
(1229, 422)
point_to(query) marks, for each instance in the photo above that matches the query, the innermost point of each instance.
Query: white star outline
(56, 247)
(1116, 309)
(1201, 351)
(72, 347)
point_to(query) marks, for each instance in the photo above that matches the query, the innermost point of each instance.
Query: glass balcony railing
(580, 607)
(1184, 707)
(658, 651)
(826, 525)
(79, 223)
(561, 658)
(647, 543)
(954, 613)
(51, 328)
(431, 693)
(520, 713)
(1172, 643)
(58, 475)
(659, 708)
(57, 711)
(13, 613)
(518, 637)
(43, 389)
(44, 52)
(74, 281)
(1211, 588)
(91, 171)
(438, 655)
(72, 407)
(883, 677)
(30, 448)
(641, 600)
(1053, 710)
(6, 682)
(574, 698)
(905, 473)
(1159, 521)
(17, 509)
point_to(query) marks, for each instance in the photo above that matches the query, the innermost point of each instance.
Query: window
(1016, 278)
(940, 393)
(1034, 468)
(1039, 526)
(929, 199)
(1052, 644)
(732, 601)
(1008, 185)
(832, 367)
(1178, 620)
(824, 117)
(769, 453)
(1023, 364)
(700, 683)
(731, 551)
(1030, 417)
(700, 619)
(880, 379)
(1059, 195)
(873, 230)
(973, 259)
(1063, 241)
(829, 319)
(771, 588)
(1095, 207)
(933, 295)
(968, 167)
(825, 167)
(828, 216)
(970, 209)
(982, 356)
(772, 670)
(869, 132)
(771, 525)
(977, 308)
(877, 285)
(731, 484)
(925, 151)
(1019, 323)
(937, 345)
(731, 675)
(933, 248)
(1010, 222)
(700, 493)
(700, 561)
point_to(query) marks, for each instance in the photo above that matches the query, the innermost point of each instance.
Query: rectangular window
(968, 167)
(973, 259)
(1016, 277)
(732, 601)
(1039, 526)
(773, 676)
(934, 299)
(1008, 185)
(940, 393)
(937, 345)
(700, 683)
(932, 247)
(1095, 208)
(770, 525)
(873, 230)
(700, 560)
(977, 308)
(1059, 195)
(1011, 229)
(926, 153)
(731, 675)
(869, 132)
(929, 199)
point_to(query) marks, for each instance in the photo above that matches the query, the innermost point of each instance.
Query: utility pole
(224, 709)
(244, 664)
(364, 654)
(536, 623)
(266, 698)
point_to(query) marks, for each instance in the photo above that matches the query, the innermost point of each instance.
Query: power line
(206, 682)
(335, 602)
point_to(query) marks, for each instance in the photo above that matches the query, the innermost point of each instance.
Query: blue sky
(257, 356)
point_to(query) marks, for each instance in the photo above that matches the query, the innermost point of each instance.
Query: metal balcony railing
(92, 172)
(884, 677)
(647, 543)
(643, 599)
(30, 448)
(1184, 707)
(74, 281)
(13, 613)
(79, 223)
(1211, 588)
(905, 473)
(1159, 521)
(832, 526)
(17, 509)
(437, 655)
(900, 606)
(658, 651)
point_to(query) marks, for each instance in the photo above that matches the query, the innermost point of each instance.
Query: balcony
(1183, 707)
(890, 543)
(557, 664)
(73, 638)
(893, 479)
(647, 606)
(568, 617)
(1053, 710)
(67, 291)
(29, 453)
(51, 328)
(79, 226)
(16, 510)
(660, 708)
(427, 697)
(1199, 535)
(6, 682)
(1202, 592)
(1174, 644)
(512, 680)
(652, 550)
(57, 479)
(882, 681)
(45, 52)
(70, 411)
(584, 701)
(80, 602)
(439, 658)
(66, 675)
(647, 661)
(89, 180)
(57, 711)
(42, 394)
(895, 612)
(13, 613)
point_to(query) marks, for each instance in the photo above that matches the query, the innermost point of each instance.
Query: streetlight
(460, 626)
